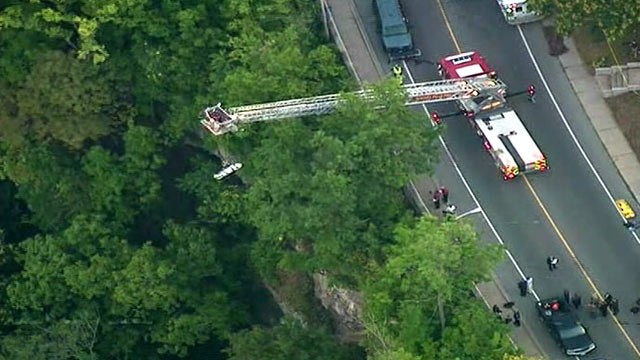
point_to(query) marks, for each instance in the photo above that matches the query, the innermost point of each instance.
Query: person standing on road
(603, 308)
(576, 300)
(445, 194)
(608, 299)
(552, 262)
(496, 309)
(522, 285)
(615, 306)
(529, 281)
(397, 73)
(567, 296)
(437, 195)
(516, 318)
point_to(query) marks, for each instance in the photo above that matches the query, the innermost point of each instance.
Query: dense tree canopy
(420, 295)
(116, 242)
(313, 188)
(288, 340)
(615, 17)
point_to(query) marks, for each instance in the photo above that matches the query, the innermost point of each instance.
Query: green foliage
(171, 292)
(264, 66)
(122, 186)
(432, 264)
(475, 334)
(98, 106)
(49, 182)
(615, 17)
(62, 340)
(62, 99)
(337, 192)
(394, 355)
(289, 340)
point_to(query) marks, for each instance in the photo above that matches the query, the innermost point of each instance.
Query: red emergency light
(435, 118)
(469, 114)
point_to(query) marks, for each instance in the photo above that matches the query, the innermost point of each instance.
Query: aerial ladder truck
(504, 135)
(219, 121)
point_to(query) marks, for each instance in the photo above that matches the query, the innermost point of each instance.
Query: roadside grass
(626, 110)
(595, 52)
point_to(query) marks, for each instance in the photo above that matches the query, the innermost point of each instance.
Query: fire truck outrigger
(503, 134)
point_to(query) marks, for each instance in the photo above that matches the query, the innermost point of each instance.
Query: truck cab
(517, 12)
(465, 65)
(396, 37)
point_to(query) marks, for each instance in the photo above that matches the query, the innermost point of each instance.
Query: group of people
(526, 286)
(607, 302)
(513, 317)
(440, 196)
(574, 299)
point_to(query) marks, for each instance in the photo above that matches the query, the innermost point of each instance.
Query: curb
(411, 185)
(606, 128)
(526, 328)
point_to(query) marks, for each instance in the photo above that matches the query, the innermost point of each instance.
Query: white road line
(415, 190)
(466, 185)
(570, 130)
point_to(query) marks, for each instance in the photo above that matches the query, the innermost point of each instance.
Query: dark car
(396, 37)
(565, 327)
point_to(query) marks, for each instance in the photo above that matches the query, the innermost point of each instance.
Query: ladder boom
(219, 121)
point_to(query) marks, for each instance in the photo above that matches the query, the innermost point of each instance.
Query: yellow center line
(575, 259)
(546, 213)
(449, 28)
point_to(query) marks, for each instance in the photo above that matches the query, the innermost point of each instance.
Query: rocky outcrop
(345, 307)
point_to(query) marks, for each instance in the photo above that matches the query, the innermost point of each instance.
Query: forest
(116, 241)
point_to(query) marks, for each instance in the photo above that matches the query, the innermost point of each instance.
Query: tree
(123, 186)
(426, 278)
(62, 340)
(56, 21)
(170, 298)
(64, 99)
(345, 170)
(49, 182)
(394, 355)
(475, 334)
(615, 17)
(182, 288)
(289, 340)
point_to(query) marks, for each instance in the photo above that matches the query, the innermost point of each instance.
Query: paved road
(569, 195)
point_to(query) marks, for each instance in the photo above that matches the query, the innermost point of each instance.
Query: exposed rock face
(345, 307)
(284, 306)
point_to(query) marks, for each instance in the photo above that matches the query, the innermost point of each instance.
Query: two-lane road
(564, 212)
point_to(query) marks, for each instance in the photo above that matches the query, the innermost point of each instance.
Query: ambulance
(517, 12)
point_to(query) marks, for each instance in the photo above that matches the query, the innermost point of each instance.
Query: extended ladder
(219, 121)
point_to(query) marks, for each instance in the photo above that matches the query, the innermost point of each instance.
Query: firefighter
(397, 72)
(437, 196)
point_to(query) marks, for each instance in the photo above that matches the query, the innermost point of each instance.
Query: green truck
(396, 38)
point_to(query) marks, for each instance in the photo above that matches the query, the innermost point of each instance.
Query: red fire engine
(503, 134)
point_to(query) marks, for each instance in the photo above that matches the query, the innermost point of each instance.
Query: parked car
(565, 327)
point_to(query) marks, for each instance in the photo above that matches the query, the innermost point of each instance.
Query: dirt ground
(626, 110)
(595, 52)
